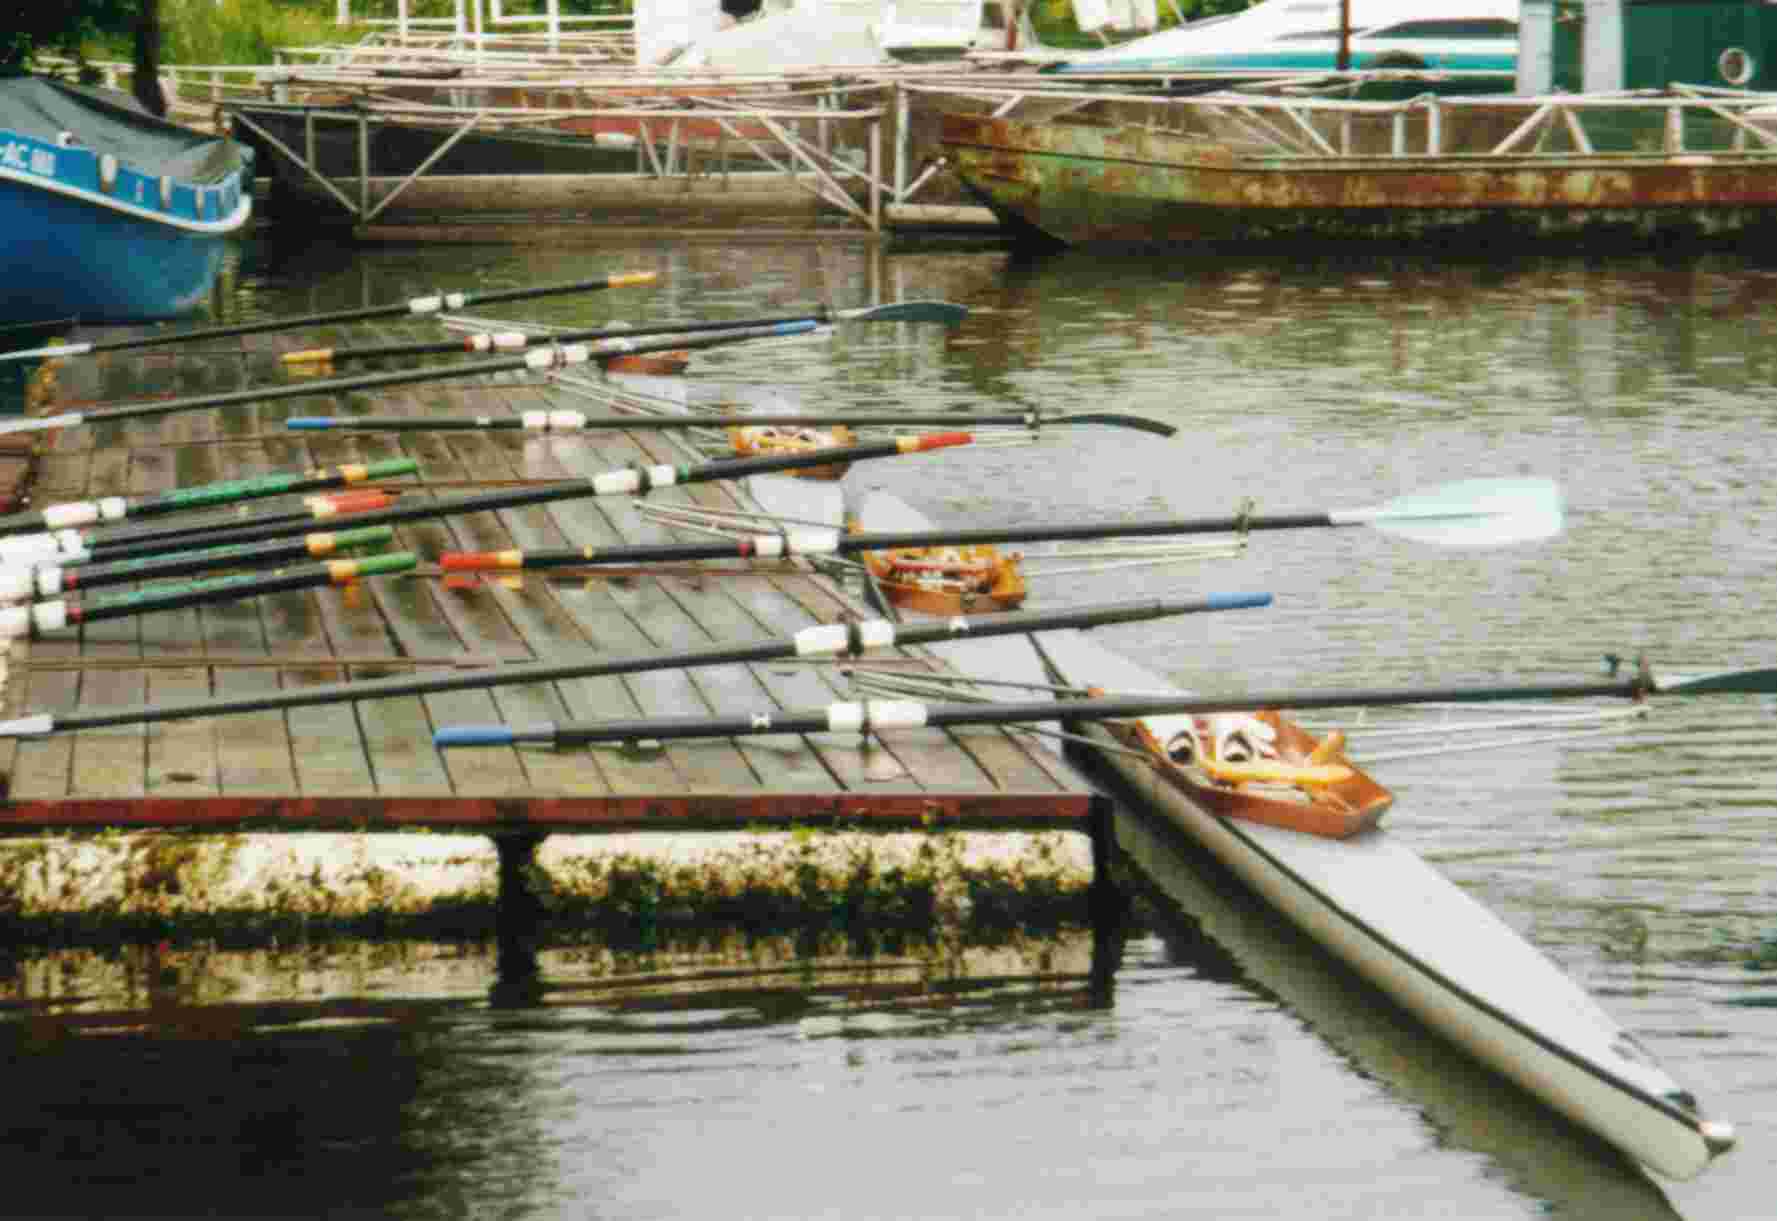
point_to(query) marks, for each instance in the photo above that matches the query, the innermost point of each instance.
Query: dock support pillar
(1104, 900)
(1106, 904)
(518, 911)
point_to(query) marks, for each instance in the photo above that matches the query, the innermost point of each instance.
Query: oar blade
(1720, 682)
(1114, 420)
(67, 349)
(906, 311)
(1469, 513)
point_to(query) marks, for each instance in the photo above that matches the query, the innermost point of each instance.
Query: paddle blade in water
(1729, 682)
(1473, 512)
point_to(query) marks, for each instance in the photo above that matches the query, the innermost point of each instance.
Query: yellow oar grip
(634, 277)
(307, 355)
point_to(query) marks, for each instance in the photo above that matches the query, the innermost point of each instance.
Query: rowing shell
(758, 440)
(1378, 906)
(939, 580)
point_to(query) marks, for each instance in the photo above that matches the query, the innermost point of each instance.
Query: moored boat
(755, 440)
(1375, 904)
(1631, 170)
(948, 580)
(971, 578)
(111, 214)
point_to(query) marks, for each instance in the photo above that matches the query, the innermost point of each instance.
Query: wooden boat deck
(372, 764)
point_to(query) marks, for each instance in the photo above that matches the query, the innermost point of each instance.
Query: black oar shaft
(853, 544)
(202, 496)
(467, 343)
(565, 421)
(112, 545)
(257, 554)
(555, 357)
(41, 617)
(416, 305)
(636, 481)
(864, 635)
(864, 716)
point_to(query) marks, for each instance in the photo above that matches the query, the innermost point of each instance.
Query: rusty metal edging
(1047, 811)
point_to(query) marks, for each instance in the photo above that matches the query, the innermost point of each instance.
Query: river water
(1211, 1064)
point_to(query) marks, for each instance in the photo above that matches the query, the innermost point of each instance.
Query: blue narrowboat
(110, 214)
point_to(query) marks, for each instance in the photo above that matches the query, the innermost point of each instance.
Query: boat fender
(166, 190)
(108, 173)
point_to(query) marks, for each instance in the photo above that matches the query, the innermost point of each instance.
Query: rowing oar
(574, 421)
(821, 640)
(624, 481)
(543, 359)
(28, 584)
(75, 513)
(413, 305)
(1495, 511)
(869, 715)
(69, 547)
(513, 341)
(41, 617)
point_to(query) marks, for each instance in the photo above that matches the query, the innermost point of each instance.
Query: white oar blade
(65, 349)
(40, 423)
(1472, 513)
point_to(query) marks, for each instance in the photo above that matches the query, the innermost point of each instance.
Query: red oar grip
(938, 440)
(361, 501)
(480, 561)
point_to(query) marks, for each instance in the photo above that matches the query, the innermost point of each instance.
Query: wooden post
(1107, 906)
(1103, 899)
(518, 912)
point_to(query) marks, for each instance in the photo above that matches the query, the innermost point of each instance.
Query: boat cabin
(1602, 46)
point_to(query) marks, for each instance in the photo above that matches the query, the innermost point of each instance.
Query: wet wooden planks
(371, 763)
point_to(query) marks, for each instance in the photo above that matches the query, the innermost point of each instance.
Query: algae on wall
(277, 884)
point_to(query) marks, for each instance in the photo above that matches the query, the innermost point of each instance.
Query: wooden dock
(371, 765)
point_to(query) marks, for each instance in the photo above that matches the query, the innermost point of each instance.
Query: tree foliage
(29, 28)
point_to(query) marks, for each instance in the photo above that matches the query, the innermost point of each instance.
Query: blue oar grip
(475, 735)
(1237, 601)
(309, 422)
(795, 328)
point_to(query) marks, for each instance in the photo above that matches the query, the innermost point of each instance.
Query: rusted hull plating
(1082, 184)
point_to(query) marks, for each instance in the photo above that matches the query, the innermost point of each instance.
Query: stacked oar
(42, 570)
(50, 553)
(225, 546)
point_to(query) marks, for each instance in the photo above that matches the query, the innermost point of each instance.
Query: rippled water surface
(1213, 1066)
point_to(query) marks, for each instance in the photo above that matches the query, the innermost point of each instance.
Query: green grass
(205, 32)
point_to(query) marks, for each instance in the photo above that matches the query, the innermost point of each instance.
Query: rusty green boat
(1237, 172)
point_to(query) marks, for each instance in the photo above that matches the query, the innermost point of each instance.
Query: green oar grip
(363, 536)
(390, 467)
(393, 561)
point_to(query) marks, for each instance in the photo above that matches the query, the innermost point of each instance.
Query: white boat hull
(1379, 907)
